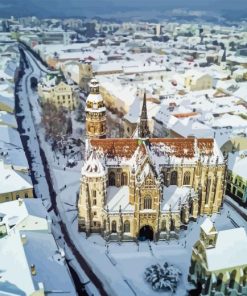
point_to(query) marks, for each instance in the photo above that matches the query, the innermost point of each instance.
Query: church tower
(143, 129)
(95, 112)
(92, 196)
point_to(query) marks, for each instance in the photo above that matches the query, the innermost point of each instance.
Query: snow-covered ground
(120, 266)
(31, 123)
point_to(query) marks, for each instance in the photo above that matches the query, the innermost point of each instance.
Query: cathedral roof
(116, 147)
(181, 148)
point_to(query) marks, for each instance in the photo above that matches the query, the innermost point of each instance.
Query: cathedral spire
(143, 130)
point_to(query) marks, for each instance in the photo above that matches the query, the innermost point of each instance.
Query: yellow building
(14, 185)
(219, 261)
(196, 81)
(148, 188)
(61, 94)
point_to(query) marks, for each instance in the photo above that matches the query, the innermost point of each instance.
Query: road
(39, 166)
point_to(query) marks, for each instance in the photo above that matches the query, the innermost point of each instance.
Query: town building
(237, 176)
(31, 261)
(14, 184)
(61, 94)
(195, 80)
(219, 261)
(146, 187)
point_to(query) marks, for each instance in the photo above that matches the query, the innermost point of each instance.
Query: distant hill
(234, 9)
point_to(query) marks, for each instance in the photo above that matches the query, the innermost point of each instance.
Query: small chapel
(144, 187)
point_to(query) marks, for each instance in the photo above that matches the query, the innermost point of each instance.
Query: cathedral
(143, 187)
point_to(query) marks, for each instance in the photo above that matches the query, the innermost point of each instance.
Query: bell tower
(95, 112)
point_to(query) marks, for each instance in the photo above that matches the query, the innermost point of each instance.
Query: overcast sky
(101, 7)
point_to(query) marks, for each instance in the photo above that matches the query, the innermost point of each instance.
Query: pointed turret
(143, 129)
(93, 167)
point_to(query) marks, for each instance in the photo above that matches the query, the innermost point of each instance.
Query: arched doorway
(146, 232)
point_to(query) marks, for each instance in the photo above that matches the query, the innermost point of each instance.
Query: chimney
(24, 239)
(33, 270)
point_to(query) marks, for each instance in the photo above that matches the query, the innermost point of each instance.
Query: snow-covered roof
(7, 119)
(40, 250)
(161, 150)
(93, 167)
(174, 197)
(118, 197)
(8, 102)
(11, 150)
(207, 226)
(237, 163)
(16, 211)
(12, 181)
(230, 250)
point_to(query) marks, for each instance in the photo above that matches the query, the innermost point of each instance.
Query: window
(187, 178)
(174, 176)
(26, 195)
(94, 201)
(113, 226)
(126, 226)
(172, 225)
(232, 279)
(163, 225)
(147, 202)
(219, 282)
(208, 190)
(95, 213)
(112, 179)
(94, 193)
(124, 179)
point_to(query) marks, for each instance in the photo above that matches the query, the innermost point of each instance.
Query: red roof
(180, 147)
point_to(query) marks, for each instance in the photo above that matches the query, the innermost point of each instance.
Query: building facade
(148, 188)
(61, 95)
(219, 262)
(236, 186)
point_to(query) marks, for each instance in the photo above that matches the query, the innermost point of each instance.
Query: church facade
(142, 187)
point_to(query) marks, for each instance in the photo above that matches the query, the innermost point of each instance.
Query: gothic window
(187, 178)
(112, 181)
(174, 177)
(113, 226)
(172, 225)
(126, 226)
(208, 190)
(147, 202)
(232, 279)
(124, 179)
(163, 225)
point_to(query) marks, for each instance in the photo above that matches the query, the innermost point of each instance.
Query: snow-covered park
(120, 267)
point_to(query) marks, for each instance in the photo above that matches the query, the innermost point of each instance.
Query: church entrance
(146, 233)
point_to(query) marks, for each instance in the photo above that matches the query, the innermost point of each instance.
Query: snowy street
(120, 267)
(28, 132)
